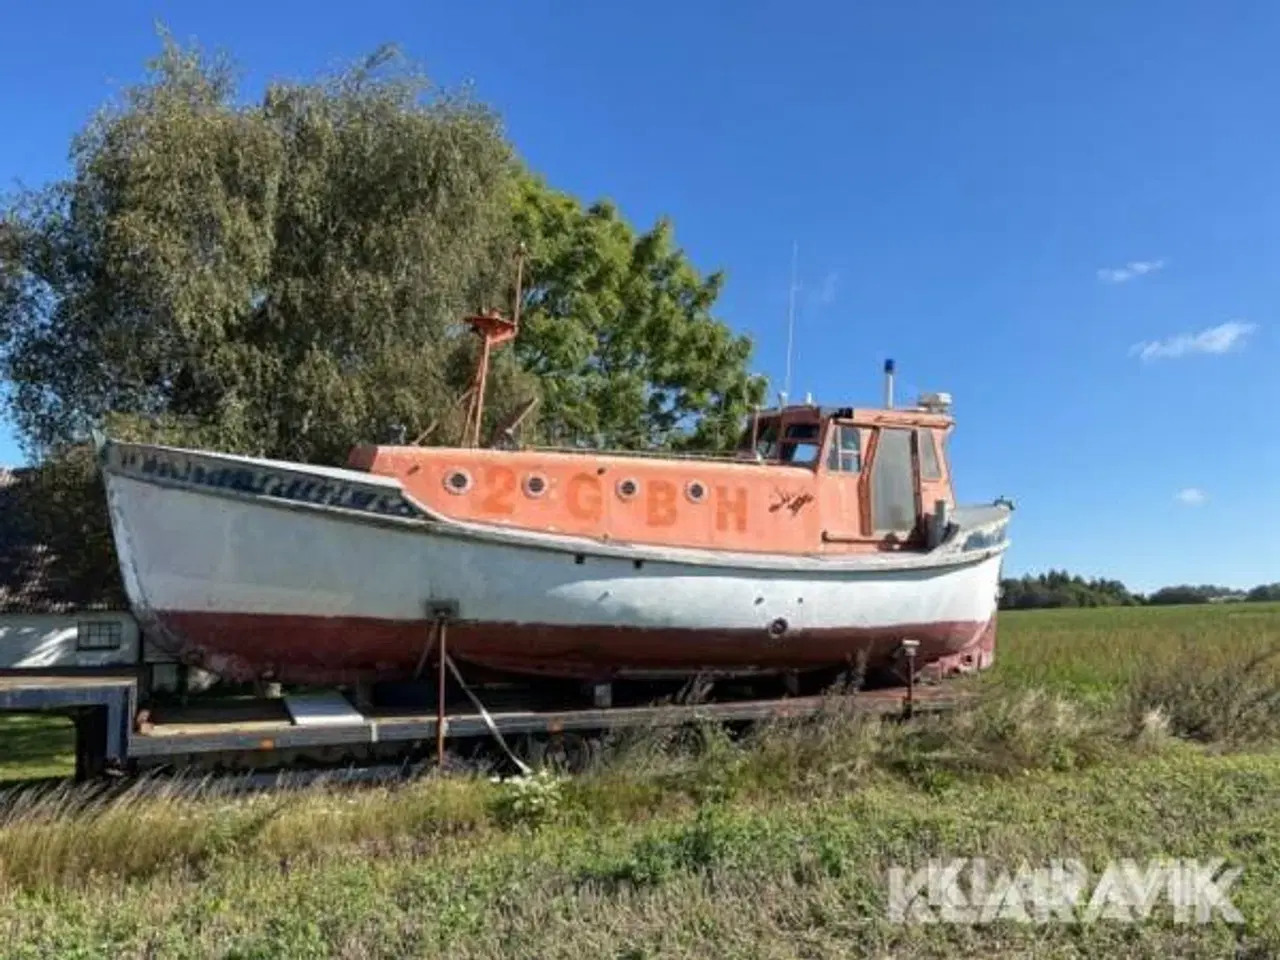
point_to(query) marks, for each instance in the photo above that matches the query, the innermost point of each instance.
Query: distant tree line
(1057, 588)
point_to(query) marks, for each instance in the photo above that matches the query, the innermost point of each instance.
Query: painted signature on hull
(793, 502)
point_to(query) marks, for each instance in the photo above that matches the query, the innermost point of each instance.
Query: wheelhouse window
(845, 453)
(794, 443)
(800, 445)
(893, 492)
(930, 464)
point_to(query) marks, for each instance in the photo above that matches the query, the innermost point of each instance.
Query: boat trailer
(115, 734)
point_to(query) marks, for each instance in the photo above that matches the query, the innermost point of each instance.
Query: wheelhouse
(879, 474)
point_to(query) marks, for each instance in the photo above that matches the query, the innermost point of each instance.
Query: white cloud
(825, 293)
(1191, 496)
(1220, 339)
(1130, 271)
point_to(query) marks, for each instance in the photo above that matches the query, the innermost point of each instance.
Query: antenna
(791, 316)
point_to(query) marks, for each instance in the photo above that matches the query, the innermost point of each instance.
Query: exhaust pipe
(888, 384)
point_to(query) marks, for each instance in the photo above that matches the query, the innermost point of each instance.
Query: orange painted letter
(502, 488)
(583, 497)
(735, 508)
(661, 503)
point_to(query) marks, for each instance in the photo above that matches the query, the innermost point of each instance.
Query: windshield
(799, 445)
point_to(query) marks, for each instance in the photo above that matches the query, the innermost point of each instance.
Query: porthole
(457, 481)
(695, 491)
(535, 485)
(628, 488)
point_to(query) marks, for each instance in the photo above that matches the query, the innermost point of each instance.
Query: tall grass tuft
(71, 835)
(1202, 697)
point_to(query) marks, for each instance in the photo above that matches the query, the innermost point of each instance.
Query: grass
(35, 746)
(1099, 652)
(1101, 735)
(778, 876)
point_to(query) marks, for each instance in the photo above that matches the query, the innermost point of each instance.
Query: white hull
(349, 590)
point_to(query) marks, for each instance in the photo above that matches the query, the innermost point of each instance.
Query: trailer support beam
(442, 638)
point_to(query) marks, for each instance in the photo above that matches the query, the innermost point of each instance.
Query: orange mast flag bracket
(494, 330)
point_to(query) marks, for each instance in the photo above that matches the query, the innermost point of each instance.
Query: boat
(829, 537)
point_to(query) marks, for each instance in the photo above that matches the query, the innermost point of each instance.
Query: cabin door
(842, 508)
(894, 491)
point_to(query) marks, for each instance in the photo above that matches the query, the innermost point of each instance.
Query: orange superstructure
(804, 479)
(814, 480)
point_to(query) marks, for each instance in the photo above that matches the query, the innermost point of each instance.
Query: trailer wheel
(568, 752)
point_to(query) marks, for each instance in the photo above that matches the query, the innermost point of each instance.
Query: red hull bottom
(328, 650)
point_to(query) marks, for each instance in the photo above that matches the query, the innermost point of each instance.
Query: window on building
(930, 465)
(99, 635)
(845, 453)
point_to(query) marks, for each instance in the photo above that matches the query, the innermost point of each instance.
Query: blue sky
(1067, 215)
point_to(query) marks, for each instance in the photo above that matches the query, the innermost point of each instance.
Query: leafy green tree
(1057, 588)
(618, 328)
(284, 278)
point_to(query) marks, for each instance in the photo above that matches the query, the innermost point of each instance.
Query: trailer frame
(114, 736)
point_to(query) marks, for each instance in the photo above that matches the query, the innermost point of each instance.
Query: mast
(493, 330)
(791, 320)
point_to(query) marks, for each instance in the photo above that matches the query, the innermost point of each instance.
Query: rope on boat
(523, 767)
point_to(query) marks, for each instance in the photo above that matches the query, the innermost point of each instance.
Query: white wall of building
(88, 640)
(55, 641)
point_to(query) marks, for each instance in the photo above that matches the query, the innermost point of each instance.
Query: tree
(1057, 588)
(286, 278)
(618, 328)
(283, 278)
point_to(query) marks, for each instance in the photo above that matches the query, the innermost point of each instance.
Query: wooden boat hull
(261, 569)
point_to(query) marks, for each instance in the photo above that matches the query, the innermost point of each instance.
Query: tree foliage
(1057, 588)
(1264, 593)
(1189, 593)
(286, 278)
(283, 278)
(619, 330)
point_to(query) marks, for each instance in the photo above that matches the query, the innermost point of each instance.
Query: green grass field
(34, 746)
(1102, 734)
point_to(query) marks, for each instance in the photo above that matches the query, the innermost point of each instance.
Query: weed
(529, 800)
(1201, 697)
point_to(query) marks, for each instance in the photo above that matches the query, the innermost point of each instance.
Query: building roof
(35, 578)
